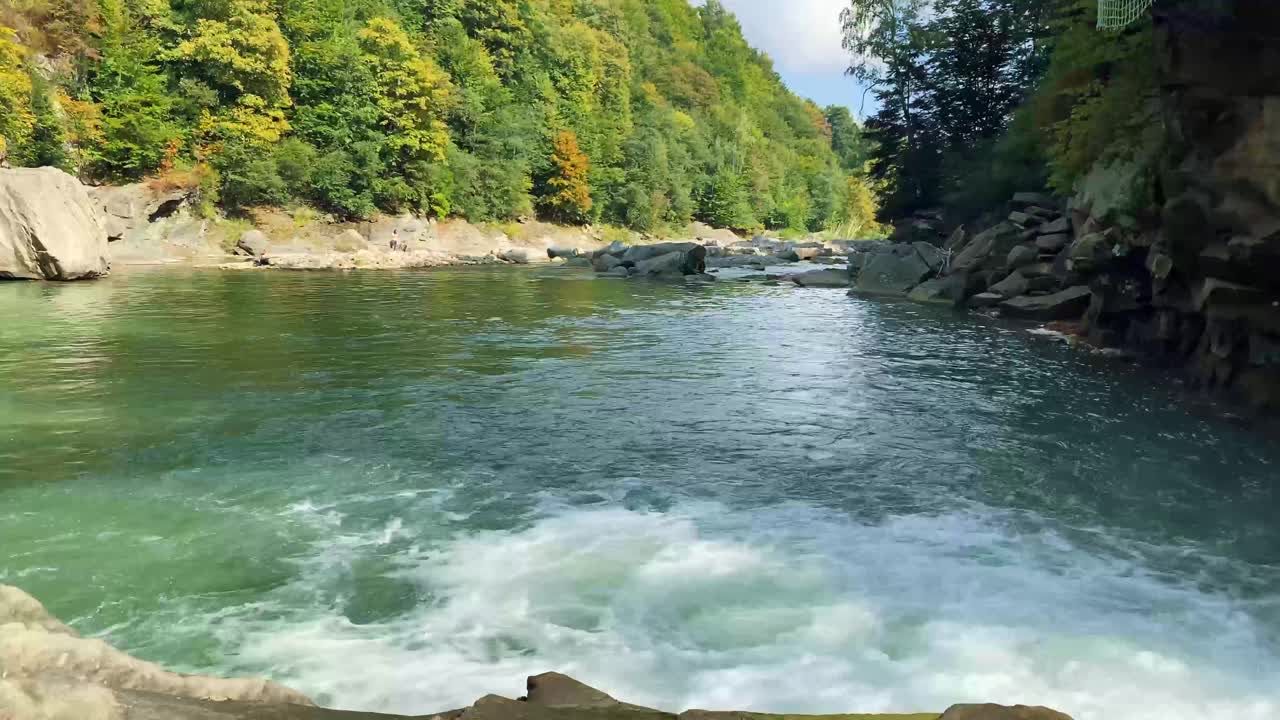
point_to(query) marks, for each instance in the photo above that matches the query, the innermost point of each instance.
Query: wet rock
(516, 256)
(675, 263)
(822, 279)
(1065, 305)
(49, 227)
(605, 262)
(1090, 252)
(985, 300)
(893, 271)
(948, 290)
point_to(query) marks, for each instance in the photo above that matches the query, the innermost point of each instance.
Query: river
(401, 491)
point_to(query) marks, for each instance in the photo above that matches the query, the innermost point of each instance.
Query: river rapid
(401, 491)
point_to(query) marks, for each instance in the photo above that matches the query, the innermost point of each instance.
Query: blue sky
(803, 38)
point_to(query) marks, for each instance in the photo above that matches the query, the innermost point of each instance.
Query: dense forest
(978, 99)
(640, 113)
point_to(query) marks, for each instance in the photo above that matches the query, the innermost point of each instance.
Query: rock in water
(49, 227)
(893, 271)
(822, 279)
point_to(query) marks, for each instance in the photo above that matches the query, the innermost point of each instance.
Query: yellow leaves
(17, 121)
(251, 119)
(683, 121)
(571, 194)
(243, 51)
(410, 90)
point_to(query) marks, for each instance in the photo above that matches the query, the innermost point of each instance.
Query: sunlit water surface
(400, 492)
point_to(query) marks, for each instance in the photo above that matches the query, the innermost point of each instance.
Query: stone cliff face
(48, 672)
(1195, 275)
(1174, 253)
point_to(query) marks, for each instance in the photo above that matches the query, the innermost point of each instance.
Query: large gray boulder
(1066, 305)
(948, 290)
(49, 227)
(829, 278)
(255, 243)
(636, 253)
(676, 263)
(989, 249)
(893, 271)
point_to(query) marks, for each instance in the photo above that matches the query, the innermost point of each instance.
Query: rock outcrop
(48, 672)
(49, 228)
(673, 261)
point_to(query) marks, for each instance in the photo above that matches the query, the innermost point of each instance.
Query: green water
(400, 491)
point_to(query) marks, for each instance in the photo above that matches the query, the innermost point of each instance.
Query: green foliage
(634, 113)
(17, 119)
(1093, 100)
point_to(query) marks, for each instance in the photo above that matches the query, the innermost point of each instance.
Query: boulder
(255, 243)
(674, 263)
(126, 208)
(1068, 304)
(1053, 243)
(1090, 252)
(560, 253)
(751, 261)
(989, 248)
(636, 253)
(1022, 255)
(49, 227)
(614, 248)
(1011, 287)
(893, 271)
(985, 300)
(829, 278)
(956, 240)
(934, 257)
(605, 262)
(948, 290)
(516, 256)
(1056, 227)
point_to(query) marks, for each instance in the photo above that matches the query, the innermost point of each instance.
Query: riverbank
(51, 673)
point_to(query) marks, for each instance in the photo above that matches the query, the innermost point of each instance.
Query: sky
(803, 38)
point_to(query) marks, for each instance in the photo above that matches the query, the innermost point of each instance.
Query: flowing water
(399, 492)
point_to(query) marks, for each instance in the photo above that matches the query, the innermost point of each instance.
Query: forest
(979, 99)
(638, 113)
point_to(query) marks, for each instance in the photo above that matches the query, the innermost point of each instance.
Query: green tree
(17, 120)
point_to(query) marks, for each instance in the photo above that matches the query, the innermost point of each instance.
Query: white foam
(794, 611)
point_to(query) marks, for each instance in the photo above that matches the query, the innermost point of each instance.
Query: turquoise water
(401, 491)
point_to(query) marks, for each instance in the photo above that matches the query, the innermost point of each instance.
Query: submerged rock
(829, 278)
(49, 227)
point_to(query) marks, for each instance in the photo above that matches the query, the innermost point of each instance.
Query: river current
(402, 491)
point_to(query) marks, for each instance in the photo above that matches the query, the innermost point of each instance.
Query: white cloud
(802, 36)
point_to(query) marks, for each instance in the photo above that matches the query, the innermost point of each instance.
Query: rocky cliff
(48, 672)
(1174, 252)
